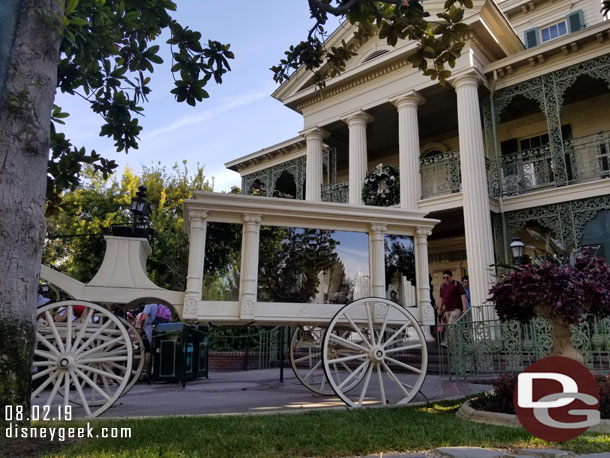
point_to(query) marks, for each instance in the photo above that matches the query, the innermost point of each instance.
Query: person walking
(466, 285)
(453, 301)
(453, 298)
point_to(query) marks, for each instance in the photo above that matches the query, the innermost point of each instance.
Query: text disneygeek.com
(61, 433)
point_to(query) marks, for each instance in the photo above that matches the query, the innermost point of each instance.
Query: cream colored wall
(552, 11)
(588, 117)
(585, 118)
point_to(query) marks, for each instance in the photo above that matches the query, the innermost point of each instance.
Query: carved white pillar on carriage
(248, 282)
(426, 312)
(408, 148)
(358, 155)
(477, 217)
(194, 278)
(377, 254)
(313, 185)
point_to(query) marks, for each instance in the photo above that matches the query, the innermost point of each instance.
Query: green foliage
(236, 338)
(398, 258)
(88, 212)
(439, 42)
(107, 56)
(290, 260)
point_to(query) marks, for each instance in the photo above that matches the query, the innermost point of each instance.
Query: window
(553, 31)
(529, 161)
(573, 22)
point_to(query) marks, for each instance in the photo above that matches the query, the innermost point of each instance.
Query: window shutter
(576, 21)
(531, 38)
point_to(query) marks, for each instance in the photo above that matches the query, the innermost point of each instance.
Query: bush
(501, 398)
(554, 289)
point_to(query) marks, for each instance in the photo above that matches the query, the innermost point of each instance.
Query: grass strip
(322, 433)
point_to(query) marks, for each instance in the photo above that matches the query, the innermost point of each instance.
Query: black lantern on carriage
(140, 227)
(141, 211)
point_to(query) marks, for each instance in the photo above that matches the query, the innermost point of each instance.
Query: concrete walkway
(257, 391)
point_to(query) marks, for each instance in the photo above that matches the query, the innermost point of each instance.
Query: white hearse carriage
(370, 351)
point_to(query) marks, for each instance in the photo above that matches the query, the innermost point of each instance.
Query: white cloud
(205, 115)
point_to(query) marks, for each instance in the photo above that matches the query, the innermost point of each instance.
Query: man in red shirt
(453, 298)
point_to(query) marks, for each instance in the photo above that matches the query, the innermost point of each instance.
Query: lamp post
(517, 247)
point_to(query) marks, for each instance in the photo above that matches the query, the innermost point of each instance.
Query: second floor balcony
(578, 160)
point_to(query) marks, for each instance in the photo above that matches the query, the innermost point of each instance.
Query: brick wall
(231, 361)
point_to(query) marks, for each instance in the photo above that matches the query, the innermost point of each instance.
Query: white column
(194, 276)
(377, 254)
(408, 148)
(477, 218)
(248, 276)
(313, 185)
(358, 156)
(426, 312)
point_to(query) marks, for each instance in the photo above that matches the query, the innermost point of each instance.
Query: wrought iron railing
(440, 174)
(585, 159)
(488, 348)
(588, 158)
(336, 192)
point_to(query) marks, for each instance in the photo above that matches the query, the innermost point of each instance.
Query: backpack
(164, 315)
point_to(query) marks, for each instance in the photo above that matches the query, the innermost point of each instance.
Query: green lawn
(328, 433)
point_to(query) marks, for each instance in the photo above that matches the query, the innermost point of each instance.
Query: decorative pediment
(491, 32)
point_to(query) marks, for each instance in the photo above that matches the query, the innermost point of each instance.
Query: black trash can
(201, 350)
(179, 351)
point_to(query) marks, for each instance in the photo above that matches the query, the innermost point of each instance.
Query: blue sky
(239, 118)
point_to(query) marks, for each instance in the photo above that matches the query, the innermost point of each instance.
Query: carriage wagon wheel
(86, 358)
(138, 355)
(306, 360)
(136, 368)
(388, 350)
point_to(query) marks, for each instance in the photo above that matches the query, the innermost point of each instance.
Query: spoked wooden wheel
(387, 349)
(86, 358)
(139, 351)
(136, 368)
(306, 360)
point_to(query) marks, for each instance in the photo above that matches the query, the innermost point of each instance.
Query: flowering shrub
(381, 186)
(554, 290)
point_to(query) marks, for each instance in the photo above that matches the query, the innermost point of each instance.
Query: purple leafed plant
(555, 290)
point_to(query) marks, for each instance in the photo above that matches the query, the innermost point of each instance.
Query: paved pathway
(255, 391)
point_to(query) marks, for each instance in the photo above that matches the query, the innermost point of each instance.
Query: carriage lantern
(140, 208)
